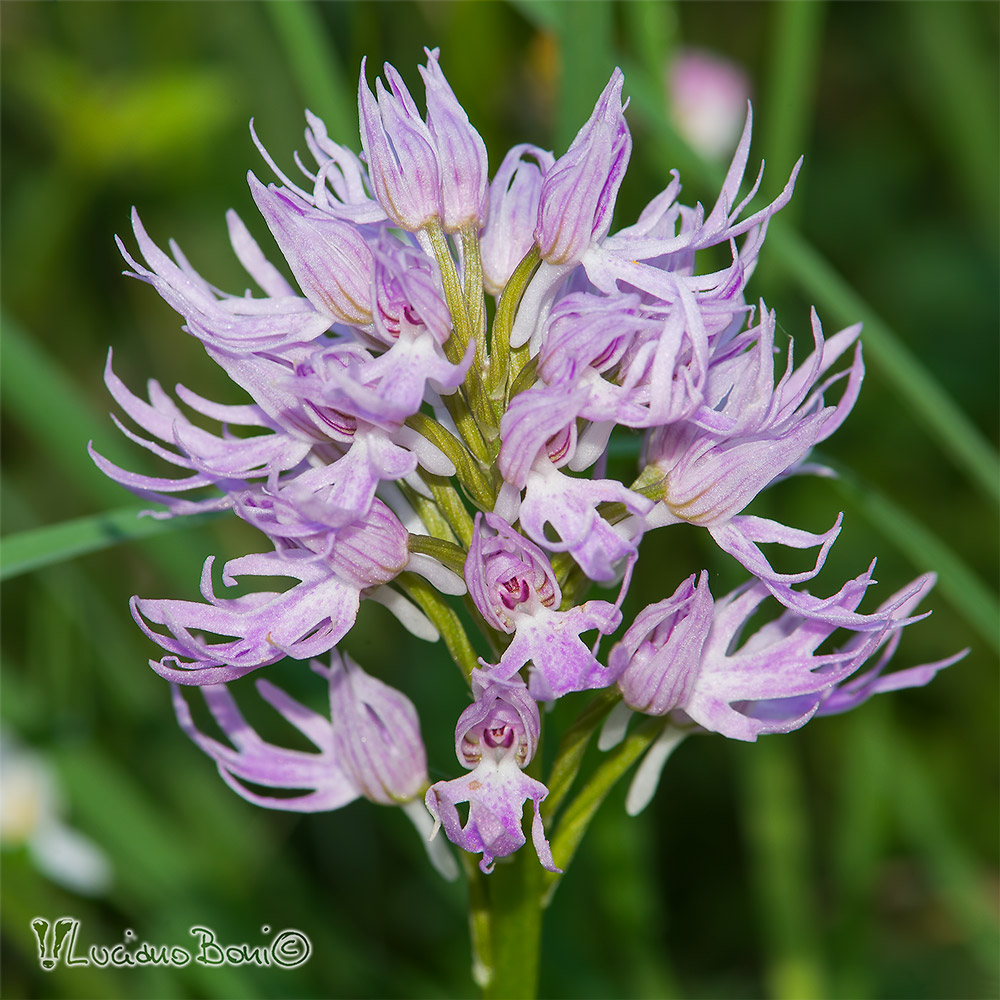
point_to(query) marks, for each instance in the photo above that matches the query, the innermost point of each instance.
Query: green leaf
(313, 62)
(54, 543)
(778, 836)
(579, 813)
(50, 407)
(960, 440)
(968, 595)
(572, 747)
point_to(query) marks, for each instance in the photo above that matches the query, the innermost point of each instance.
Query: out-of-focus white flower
(30, 816)
(708, 96)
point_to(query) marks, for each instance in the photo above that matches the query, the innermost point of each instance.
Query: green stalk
(455, 346)
(499, 374)
(578, 814)
(428, 512)
(475, 300)
(515, 894)
(572, 748)
(451, 506)
(453, 294)
(467, 469)
(443, 617)
(467, 424)
(448, 554)
(480, 924)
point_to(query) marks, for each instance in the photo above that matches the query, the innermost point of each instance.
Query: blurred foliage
(856, 858)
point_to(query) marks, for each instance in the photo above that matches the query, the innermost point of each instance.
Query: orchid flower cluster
(430, 420)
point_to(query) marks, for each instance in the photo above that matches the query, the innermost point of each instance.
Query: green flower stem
(572, 747)
(472, 289)
(523, 371)
(479, 921)
(467, 425)
(450, 504)
(515, 899)
(498, 379)
(447, 553)
(577, 816)
(494, 639)
(453, 293)
(428, 512)
(468, 471)
(444, 619)
(455, 346)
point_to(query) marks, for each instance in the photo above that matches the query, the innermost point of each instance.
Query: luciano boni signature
(58, 942)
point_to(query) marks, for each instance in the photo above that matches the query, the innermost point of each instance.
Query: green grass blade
(790, 88)
(545, 15)
(778, 836)
(958, 89)
(313, 62)
(960, 440)
(968, 595)
(651, 27)
(942, 417)
(857, 844)
(50, 407)
(54, 543)
(962, 884)
(585, 31)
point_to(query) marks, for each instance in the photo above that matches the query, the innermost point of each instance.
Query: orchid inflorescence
(410, 445)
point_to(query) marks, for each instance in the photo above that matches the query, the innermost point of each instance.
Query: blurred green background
(855, 858)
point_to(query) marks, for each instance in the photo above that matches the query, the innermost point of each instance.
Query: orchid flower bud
(508, 577)
(579, 191)
(461, 153)
(376, 735)
(514, 195)
(661, 652)
(329, 257)
(400, 152)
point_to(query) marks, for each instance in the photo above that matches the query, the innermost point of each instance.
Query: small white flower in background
(30, 817)
(708, 96)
